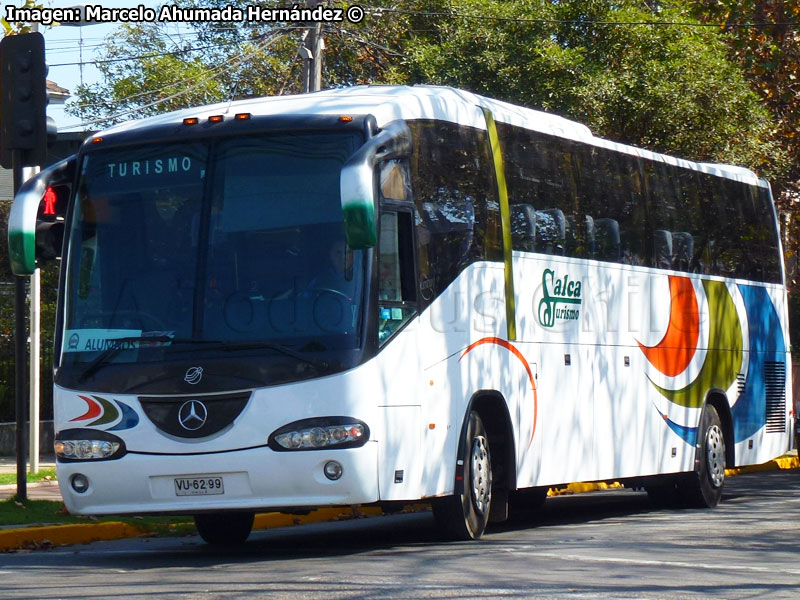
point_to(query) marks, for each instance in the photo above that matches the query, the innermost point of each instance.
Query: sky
(67, 46)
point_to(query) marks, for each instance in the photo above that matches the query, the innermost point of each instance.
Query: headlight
(74, 445)
(320, 433)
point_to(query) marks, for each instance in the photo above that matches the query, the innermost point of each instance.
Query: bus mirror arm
(357, 182)
(22, 221)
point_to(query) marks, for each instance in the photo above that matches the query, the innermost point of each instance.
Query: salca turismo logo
(561, 300)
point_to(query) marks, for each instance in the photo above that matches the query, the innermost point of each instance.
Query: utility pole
(312, 53)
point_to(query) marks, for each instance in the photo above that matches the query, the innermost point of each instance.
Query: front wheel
(224, 529)
(465, 515)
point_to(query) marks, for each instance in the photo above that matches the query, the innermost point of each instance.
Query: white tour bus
(387, 294)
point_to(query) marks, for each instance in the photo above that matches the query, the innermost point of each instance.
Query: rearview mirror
(358, 186)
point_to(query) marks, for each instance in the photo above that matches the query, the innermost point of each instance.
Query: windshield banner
(97, 340)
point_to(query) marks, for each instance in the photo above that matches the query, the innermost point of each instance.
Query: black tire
(665, 492)
(464, 515)
(528, 500)
(224, 529)
(703, 487)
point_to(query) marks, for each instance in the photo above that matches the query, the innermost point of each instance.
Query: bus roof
(390, 103)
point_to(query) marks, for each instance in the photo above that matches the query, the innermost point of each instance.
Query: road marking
(659, 563)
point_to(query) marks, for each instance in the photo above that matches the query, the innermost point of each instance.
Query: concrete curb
(47, 536)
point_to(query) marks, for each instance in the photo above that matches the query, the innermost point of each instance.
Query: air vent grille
(775, 384)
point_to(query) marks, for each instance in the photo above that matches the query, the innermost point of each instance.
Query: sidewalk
(44, 536)
(44, 490)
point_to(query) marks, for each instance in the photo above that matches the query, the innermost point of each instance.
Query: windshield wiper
(106, 355)
(320, 365)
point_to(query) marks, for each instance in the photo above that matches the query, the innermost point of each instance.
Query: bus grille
(775, 384)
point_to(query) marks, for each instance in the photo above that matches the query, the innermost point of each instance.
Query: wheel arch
(719, 400)
(492, 408)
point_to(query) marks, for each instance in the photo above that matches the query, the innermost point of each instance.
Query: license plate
(198, 486)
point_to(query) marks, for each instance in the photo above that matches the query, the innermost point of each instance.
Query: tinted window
(458, 214)
(571, 199)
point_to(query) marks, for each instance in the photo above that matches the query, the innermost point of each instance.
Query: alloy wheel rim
(481, 474)
(715, 455)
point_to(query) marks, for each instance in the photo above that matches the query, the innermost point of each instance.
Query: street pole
(313, 63)
(33, 415)
(35, 356)
(20, 355)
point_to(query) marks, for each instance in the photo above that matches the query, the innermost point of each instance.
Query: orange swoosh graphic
(674, 352)
(94, 410)
(513, 349)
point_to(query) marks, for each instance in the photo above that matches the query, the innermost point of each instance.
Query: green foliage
(667, 88)
(223, 61)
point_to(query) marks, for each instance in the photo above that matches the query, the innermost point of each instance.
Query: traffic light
(23, 99)
(50, 222)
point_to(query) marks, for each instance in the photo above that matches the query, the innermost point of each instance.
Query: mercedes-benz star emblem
(193, 375)
(192, 415)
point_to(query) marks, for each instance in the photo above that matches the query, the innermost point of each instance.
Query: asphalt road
(599, 545)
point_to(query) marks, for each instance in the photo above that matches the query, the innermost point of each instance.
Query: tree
(217, 61)
(763, 38)
(669, 88)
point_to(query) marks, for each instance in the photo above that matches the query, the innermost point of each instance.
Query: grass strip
(48, 512)
(42, 475)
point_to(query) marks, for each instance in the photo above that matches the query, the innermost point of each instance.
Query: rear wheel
(224, 529)
(465, 515)
(703, 488)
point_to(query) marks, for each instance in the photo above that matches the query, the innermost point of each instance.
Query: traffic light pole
(20, 356)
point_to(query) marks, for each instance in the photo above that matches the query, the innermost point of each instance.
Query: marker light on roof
(345, 118)
(97, 140)
(216, 119)
(242, 116)
(191, 121)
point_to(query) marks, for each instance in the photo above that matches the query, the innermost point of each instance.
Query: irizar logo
(561, 299)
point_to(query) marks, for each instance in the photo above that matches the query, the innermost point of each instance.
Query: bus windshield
(236, 241)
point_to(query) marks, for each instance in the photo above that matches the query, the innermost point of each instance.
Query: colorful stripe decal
(687, 434)
(505, 217)
(129, 418)
(94, 410)
(723, 359)
(766, 345)
(515, 351)
(107, 412)
(672, 355)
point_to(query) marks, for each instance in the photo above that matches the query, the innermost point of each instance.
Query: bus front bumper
(256, 479)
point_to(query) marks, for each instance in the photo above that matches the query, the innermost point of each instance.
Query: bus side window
(397, 293)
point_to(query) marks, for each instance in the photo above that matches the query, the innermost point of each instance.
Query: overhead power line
(213, 73)
(166, 52)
